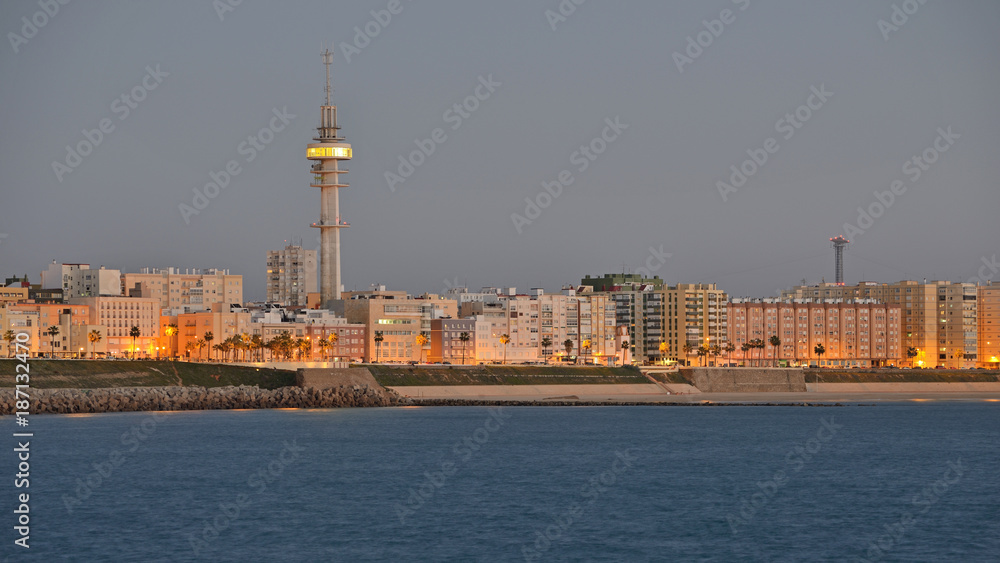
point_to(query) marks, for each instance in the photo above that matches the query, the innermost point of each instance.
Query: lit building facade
(195, 290)
(117, 315)
(862, 333)
(988, 309)
(939, 318)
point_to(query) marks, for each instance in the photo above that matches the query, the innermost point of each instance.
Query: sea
(913, 481)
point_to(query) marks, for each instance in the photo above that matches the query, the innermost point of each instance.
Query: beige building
(291, 276)
(658, 314)
(862, 333)
(938, 318)
(80, 280)
(398, 318)
(117, 315)
(72, 321)
(988, 338)
(13, 294)
(18, 322)
(195, 290)
(222, 322)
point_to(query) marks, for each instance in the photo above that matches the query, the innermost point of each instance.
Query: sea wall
(746, 380)
(126, 399)
(328, 378)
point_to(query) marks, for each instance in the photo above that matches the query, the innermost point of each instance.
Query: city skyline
(666, 181)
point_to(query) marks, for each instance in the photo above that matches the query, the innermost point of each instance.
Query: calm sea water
(896, 482)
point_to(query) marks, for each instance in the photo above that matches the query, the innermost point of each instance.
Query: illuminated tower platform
(327, 152)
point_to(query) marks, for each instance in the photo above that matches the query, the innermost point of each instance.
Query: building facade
(80, 280)
(118, 314)
(862, 333)
(988, 338)
(939, 318)
(291, 276)
(195, 290)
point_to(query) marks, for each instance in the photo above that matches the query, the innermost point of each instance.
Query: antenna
(327, 61)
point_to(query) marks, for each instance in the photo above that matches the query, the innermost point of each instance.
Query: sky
(823, 105)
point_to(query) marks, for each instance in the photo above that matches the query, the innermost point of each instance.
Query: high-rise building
(938, 318)
(988, 335)
(291, 276)
(327, 152)
(663, 320)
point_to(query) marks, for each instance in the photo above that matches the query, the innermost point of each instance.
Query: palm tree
(465, 337)
(170, 331)
(775, 343)
(730, 348)
(324, 347)
(546, 344)
(568, 345)
(912, 352)
(10, 337)
(378, 345)
(93, 337)
(53, 332)
(746, 348)
(422, 340)
(199, 344)
(257, 343)
(504, 339)
(702, 353)
(820, 350)
(663, 352)
(209, 337)
(716, 351)
(759, 344)
(688, 347)
(189, 347)
(585, 349)
(625, 346)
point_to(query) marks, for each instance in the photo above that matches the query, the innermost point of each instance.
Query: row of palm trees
(246, 347)
(747, 347)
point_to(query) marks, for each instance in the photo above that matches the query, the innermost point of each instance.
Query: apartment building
(117, 315)
(291, 276)
(397, 318)
(988, 325)
(80, 280)
(939, 318)
(446, 344)
(195, 290)
(853, 333)
(19, 322)
(661, 318)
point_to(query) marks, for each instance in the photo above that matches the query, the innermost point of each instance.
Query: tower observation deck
(326, 154)
(839, 244)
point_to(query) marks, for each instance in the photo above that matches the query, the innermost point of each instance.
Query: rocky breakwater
(127, 399)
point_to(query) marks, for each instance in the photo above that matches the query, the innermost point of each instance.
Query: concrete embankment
(746, 380)
(67, 401)
(606, 392)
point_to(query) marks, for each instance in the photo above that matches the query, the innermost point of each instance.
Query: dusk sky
(925, 87)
